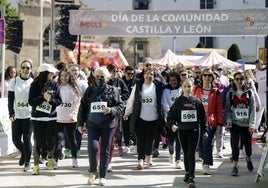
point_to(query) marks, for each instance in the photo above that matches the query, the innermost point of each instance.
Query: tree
(14, 28)
(63, 37)
(233, 53)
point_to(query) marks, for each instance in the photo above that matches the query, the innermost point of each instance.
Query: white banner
(167, 22)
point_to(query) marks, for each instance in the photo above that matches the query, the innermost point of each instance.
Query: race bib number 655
(97, 107)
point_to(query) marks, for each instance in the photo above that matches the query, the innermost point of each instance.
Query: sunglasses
(115, 70)
(148, 65)
(219, 69)
(207, 75)
(130, 73)
(241, 79)
(197, 72)
(28, 68)
(183, 74)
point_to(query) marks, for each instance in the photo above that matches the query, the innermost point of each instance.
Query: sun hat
(47, 67)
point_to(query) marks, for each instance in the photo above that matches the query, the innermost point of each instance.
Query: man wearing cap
(223, 79)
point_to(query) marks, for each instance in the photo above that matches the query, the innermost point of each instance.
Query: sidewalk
(125, 174)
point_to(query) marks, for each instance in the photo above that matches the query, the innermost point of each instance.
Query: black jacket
(187, 103)
(36, 98)
(107, 94)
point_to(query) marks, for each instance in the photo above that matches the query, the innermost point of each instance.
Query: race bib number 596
(188, 116)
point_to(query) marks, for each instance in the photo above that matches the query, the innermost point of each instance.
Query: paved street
(125, 174)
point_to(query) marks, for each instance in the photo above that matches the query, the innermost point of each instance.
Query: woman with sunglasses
(212, 101)
(20, 113)
(240, 111)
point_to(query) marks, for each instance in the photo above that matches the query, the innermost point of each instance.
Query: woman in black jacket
(100, 107)
(187, 116)
(44, 97)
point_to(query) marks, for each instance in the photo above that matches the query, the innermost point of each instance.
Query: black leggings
(189, 141)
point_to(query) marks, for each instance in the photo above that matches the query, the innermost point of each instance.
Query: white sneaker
(241, 154)
(178, 164)
(197, 158)
(74, 163)
(110, 168)
(171, 158)
(91, 178)
(126, 150)
(102, 181)
(206, 170)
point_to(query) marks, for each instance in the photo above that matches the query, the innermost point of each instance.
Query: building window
(117, 42)
(206, 4)
(141, 4)
(140, 51)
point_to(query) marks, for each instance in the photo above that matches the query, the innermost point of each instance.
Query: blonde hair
(249, 74)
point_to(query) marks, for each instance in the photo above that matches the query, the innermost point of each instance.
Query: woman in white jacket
(67, 114)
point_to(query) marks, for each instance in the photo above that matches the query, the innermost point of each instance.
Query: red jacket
(215, 106)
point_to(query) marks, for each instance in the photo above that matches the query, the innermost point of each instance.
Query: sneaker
(155, 153)
(126, 150)
(178, 164)
(234, 171)
(50, 164)
(22, 160)
(35, 170)
(171, 158)
(91, 178)
(67, 153)
(42, 160)
(249, 165)
(164, 147)
(186, 178)
(149, 161)
(120, 151)
(257, 178)
(219, 155)
(241, 154)
(197, 157)
(27, 167)
(206, 170)
(55, 165)
(62, 155)
(74, 163)
(140, 164)
(191, 183)
(102, 182)
(78, 153)
(110, 168)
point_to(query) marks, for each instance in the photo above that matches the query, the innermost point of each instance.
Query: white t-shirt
(67, 111)
(21, 90)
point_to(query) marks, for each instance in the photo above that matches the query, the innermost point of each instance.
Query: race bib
(44, 107)
(97, 107)
(173, 97)
(188, 116)
(66, 105)
(241, 113)
(204, 100)
(147, 100)
(22, 105)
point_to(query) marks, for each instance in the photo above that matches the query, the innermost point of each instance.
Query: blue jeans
(104, 136)
(205, 147)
